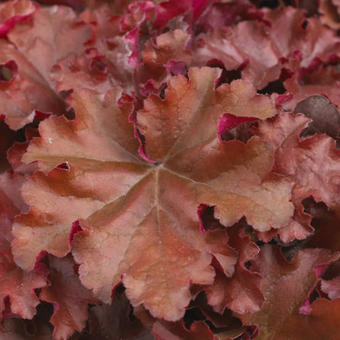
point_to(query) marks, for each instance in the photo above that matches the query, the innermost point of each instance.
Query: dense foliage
(170, 170)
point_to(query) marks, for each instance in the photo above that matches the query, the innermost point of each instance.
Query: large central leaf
(138, 218)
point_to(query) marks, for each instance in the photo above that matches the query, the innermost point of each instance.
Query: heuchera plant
(169, 170)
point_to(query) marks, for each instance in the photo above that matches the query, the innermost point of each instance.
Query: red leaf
(145, 198)
(265, 49)
(285, 286)
(69, 298)
(241, 292)
(325, 116)
(330, 10)
(36, 45)
(12, 12)
(15, 284)
(312, 163)
(321, 323)
(324, 81)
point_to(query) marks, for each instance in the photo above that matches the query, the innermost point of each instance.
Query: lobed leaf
(138, 219)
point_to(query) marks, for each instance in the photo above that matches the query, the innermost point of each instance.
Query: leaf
(54, 33)
(157, 57)
(241, 292)
(12, 12)
(110, 42)
(226, 14)
(139, 218)
(104, 64)
(238, 98)
(167, 11)
(136, 16)
(285, 286)
(312, 163)
(11, 200)
(69, 298)
(16, 285)
(321, 323)
(261, 48)
(322, 81)
(325, 116)
(330, 10)
(34, 47)
(245, 44)
(88, 71)
(101, 131)
(15, 102)
(299, 229)
(304, 39)
(223, 325)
